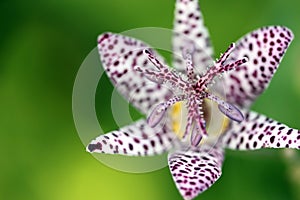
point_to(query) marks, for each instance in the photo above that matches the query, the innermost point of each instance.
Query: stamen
(219, 68)
(231, 111)
(233, 65)
(226, 108)
(226, 54)
(197, 132)
(196, 125)
(159, 111)
(156, 115)
(154, 60)
(148, 74)
(189, 124)
(163, 75)
(196, 136)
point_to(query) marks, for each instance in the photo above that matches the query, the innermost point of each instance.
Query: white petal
(119, 55)
(190, 32)
(137, 139)
(264, 48)
(258, 131)
(195, 171)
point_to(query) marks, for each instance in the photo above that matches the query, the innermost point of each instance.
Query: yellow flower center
(217, 123)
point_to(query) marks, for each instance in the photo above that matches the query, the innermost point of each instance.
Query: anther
(159, 111)
(164, 73)
(196, 135)
(231, 111)
(156, 115)
(226, 108)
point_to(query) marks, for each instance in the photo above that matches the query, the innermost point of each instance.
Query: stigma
(193, 90)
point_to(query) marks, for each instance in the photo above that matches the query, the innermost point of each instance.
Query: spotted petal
(258, 131)
(137, 139)
(190, 32)
(265, 48)
(195, 171)
(119, 54)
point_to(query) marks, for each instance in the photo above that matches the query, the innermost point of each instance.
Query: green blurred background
(43, 45)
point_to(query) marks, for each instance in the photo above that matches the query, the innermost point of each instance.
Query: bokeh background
(42, 45)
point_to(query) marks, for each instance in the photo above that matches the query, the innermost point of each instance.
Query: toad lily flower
(140, 75)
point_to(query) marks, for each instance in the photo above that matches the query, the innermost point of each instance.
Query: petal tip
(289, 32)
(103, 37)
(93, 147)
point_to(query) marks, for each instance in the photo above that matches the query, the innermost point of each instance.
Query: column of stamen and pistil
(196, 126)
(193, 93)
(195, 118)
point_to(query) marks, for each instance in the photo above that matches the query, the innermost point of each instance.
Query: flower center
(194, 91)
(216, 122)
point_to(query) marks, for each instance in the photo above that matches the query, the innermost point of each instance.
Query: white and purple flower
(197, 155)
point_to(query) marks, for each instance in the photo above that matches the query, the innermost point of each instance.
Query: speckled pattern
(137, 139)
(119, 54)
(190, 32)
(258, 131)
(195, 171)
(264, 48)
